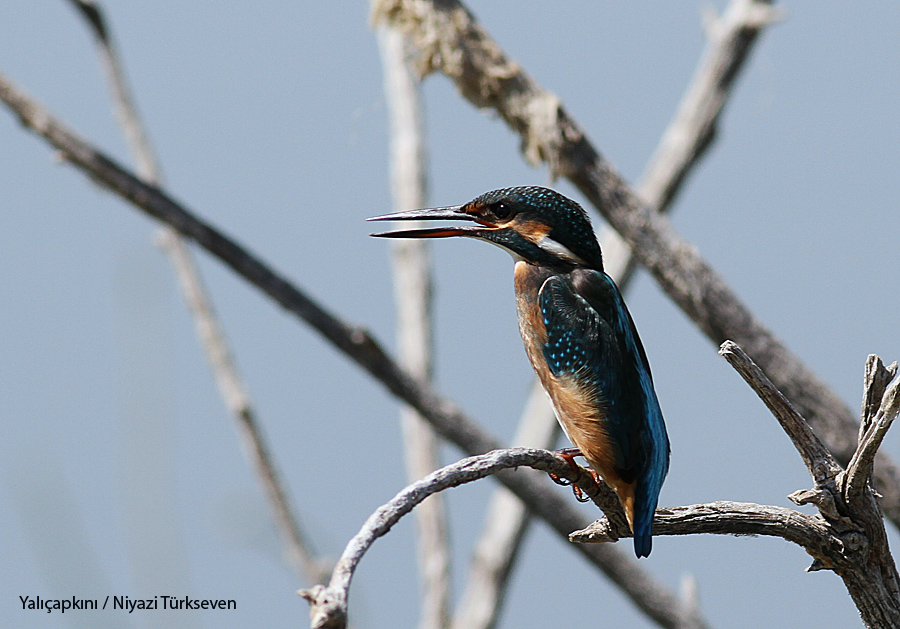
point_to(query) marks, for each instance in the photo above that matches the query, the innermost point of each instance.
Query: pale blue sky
(121, 471)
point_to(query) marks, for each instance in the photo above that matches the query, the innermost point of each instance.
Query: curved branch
(329, 604)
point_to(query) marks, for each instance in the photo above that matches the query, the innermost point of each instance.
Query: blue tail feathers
(643, 539)
(646, 499)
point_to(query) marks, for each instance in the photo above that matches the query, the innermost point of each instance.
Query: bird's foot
(569, 454)
(595, 476)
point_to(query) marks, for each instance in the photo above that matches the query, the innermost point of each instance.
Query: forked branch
(880, 400)
(847, 536)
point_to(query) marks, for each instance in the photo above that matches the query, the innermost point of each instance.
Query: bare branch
(411, 261)
(298, 549)
(725, 518)
(452, 42)
(816, 457)
(875, 381)
(329, 604)
(123, 102)
(690, 593)
(647, 594)
(859, 470)
(847, 536)
(692, 130)
(690, 133)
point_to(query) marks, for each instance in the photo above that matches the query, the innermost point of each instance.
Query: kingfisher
(578, 334)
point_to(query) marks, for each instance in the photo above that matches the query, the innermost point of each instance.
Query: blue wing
(591, 336)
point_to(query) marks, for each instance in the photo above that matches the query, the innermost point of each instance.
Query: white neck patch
(560, 251)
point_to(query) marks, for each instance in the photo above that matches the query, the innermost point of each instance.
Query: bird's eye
(502, 211)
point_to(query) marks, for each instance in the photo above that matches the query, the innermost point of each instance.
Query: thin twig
(685, 140)
(690, 133)
(298, 549)
(651, 597)
(452, 42)
(411, 261)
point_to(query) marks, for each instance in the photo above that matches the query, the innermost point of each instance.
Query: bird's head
(535, 224)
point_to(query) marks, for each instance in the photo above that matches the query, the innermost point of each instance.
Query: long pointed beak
(452, 213)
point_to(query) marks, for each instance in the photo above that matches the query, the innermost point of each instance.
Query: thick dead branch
(298, 549)
(411, 261)
(844, 498)
(686, 139)
(452, 42)
(847, 536)
(649, 596)
(723, 518)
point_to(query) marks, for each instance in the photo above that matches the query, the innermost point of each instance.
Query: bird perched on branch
(578, 334)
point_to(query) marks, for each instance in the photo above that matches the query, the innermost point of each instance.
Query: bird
(578, 335)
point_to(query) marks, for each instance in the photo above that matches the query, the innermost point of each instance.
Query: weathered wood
(847, 536)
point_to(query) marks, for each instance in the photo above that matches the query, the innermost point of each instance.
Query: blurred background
(120, 469)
